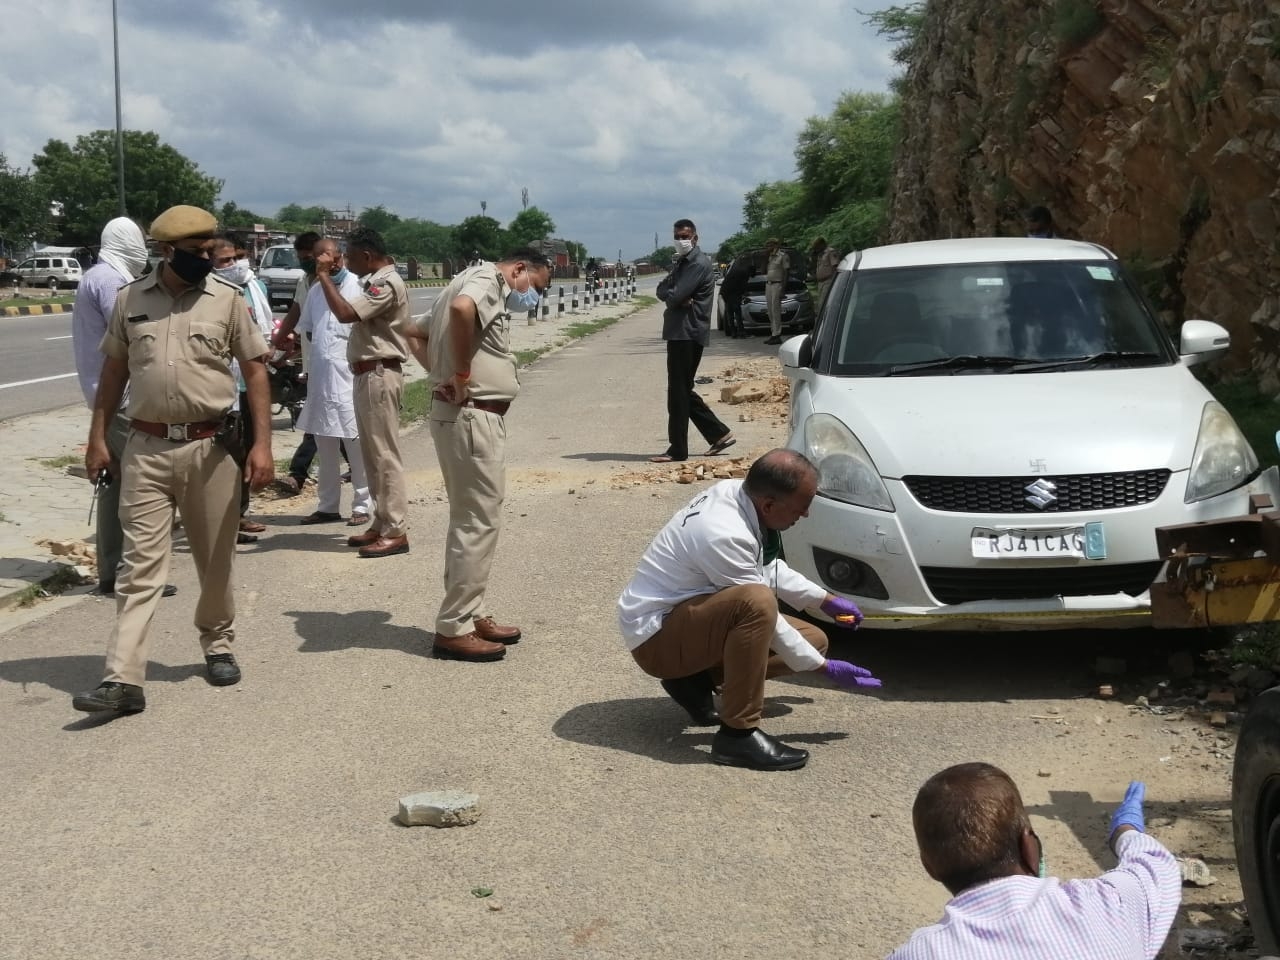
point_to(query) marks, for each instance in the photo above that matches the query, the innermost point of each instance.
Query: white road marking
(27, 383)
(48, 339)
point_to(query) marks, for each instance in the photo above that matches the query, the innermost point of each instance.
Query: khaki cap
(183, 221)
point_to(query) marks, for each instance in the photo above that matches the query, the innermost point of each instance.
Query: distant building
(557, 251)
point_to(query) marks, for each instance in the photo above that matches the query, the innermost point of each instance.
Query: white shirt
(713, 542)
(330, 408)
(95, 298)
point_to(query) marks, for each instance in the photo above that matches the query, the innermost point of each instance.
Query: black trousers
(683, 404)
(732, 312)
(300, 465)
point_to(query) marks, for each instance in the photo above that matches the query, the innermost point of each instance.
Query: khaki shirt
(493, 366)
(179, 349)
(383, 309)
(779, 264)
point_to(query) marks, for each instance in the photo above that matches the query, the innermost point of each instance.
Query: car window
(1033, 312)
(27, 265)
(281, 258)
(42, 264)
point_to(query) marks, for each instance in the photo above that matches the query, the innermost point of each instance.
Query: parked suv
(280, 271)
(1000, 426)
(50, 271)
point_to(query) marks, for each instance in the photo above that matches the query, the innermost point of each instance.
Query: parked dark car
(797, 302)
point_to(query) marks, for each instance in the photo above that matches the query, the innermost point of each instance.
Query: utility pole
(115, 39)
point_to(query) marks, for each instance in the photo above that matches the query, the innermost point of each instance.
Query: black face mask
(190, 268)
(308, 265)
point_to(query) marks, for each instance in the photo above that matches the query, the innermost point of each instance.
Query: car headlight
(1223, 459)
(846, 472)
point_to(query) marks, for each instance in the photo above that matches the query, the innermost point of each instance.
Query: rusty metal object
(1220, 572)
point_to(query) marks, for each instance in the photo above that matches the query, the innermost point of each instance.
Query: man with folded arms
(377, 352)
(171, 339)
(976, 839)
(464, 343)
(705, 601)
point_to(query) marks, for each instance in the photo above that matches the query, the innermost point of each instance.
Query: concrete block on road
(439, 808)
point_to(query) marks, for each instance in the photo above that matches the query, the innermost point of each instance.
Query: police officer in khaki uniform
(465, 346)
(171, 338)
(775, 284)
(377, 352)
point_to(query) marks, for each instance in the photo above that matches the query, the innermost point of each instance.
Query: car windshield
(1004, 318)
(282, 258)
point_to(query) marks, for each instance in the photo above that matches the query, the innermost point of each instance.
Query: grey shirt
(688, 291)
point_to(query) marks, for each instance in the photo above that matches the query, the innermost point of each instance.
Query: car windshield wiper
(966, 361)
(1131, 357)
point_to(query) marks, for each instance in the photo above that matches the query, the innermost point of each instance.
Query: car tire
(52, 283)
(1255, 815)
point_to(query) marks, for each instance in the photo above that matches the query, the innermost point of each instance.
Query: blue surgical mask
(517, 301)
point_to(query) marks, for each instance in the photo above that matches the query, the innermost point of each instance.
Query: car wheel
(1255, 813)
(52, 283)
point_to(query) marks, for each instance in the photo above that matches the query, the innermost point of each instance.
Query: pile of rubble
(80, 557)
(690, 471)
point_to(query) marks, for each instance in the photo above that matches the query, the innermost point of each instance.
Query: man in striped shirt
(976, 840)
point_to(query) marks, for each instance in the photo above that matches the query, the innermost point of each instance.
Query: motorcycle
(286, 378)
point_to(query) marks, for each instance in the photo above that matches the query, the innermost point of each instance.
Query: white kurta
(330, 409)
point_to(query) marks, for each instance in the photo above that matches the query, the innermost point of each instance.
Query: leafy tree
(379, 218)
(662, 257)
(235, 216)
(420, 238)
(847, 157)
(483, 235)
(82, 177)
(529, 225)
(296, 219)
(577, 251)
(24, 209)
(899, 25)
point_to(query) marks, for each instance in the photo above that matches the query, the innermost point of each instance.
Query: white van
(280, 271)
(50, 271)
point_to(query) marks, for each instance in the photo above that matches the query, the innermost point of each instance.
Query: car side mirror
(797, 353)
(1201, 341)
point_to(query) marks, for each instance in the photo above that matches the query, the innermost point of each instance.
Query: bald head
(327, 245)
(781, 484)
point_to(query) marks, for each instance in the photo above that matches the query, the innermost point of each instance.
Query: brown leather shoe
(487, 629)
(364, 539)
(385, 547)
(469, 646)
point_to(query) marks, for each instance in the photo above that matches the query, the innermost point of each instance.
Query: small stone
(737, 473)
(495, 906)
(1182, 665)
(62, 548)
(1106, 691)
(82, 572)
(685, 478)
(572, 490)
(439, 808)
(1110, 666)
(1043, 773)
(1195, 872)
(1141, 702)
(745, 418)
(1217, 719)
(1221, 696)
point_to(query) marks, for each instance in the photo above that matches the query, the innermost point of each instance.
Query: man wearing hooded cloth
(121, 259)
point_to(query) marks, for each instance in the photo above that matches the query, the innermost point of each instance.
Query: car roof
(973, 250)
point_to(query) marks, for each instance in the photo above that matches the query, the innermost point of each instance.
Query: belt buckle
(176, 432)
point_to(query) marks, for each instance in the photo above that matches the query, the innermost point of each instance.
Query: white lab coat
(713, 542)
(330, 408)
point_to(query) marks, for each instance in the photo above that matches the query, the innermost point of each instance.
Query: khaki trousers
(773, 303)
(377, 400)
(728, 631)
(201, 480)
(472, 453)
(110, 539)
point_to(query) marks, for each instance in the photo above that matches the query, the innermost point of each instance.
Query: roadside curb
(35, 310)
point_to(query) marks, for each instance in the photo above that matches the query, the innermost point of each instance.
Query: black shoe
(220, 669)
(109, 589)
(694, 694)
(111, 696)
(759, 751)
(773, 341)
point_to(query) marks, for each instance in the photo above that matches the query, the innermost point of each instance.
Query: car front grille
(1067, 494)
(963, 584)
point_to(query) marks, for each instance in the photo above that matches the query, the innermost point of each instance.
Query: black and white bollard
(574, 308)
(533, 316)
(560, 305)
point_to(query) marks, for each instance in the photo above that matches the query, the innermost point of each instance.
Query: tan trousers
(773, 303)
(202, 481)
(472, 453)
(377, 401)
(728, 631)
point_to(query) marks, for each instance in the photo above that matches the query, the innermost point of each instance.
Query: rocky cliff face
(1150, 127)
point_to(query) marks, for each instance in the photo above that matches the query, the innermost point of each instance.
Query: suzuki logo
(1041, 494)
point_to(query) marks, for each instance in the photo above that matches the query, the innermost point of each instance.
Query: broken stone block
(439, 808)
(62, 548)
(1221, 696)
(1106, 691)
(750, 391)
(1195, 873)
(1217, 719)
(685, 478)
(737, 473)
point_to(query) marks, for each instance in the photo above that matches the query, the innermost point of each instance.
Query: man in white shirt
(705, 600)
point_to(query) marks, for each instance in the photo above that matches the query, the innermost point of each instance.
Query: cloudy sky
(617, 116)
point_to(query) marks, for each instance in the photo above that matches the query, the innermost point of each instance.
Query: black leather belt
(178, 432)
(500, 407)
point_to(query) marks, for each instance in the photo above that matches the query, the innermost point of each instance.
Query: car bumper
(795, 313)
(916, 554)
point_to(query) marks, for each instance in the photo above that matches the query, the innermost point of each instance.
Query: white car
(280, 271)
(52, 271)
(1000, 425)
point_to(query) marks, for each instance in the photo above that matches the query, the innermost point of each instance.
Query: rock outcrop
(1150, 127)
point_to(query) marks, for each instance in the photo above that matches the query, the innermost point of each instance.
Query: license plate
(1085, 543)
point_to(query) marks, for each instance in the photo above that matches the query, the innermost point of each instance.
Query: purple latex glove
(842, 611)
(1129, 813)
(849, 675)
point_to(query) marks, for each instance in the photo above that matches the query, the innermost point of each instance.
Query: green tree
(233, 216)
(420, 238)
(529, 225)
(82, 177)
(577, 251)
(379, 218)
(24, 209)
(482, 235)
(662, 257)
(296, 219)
